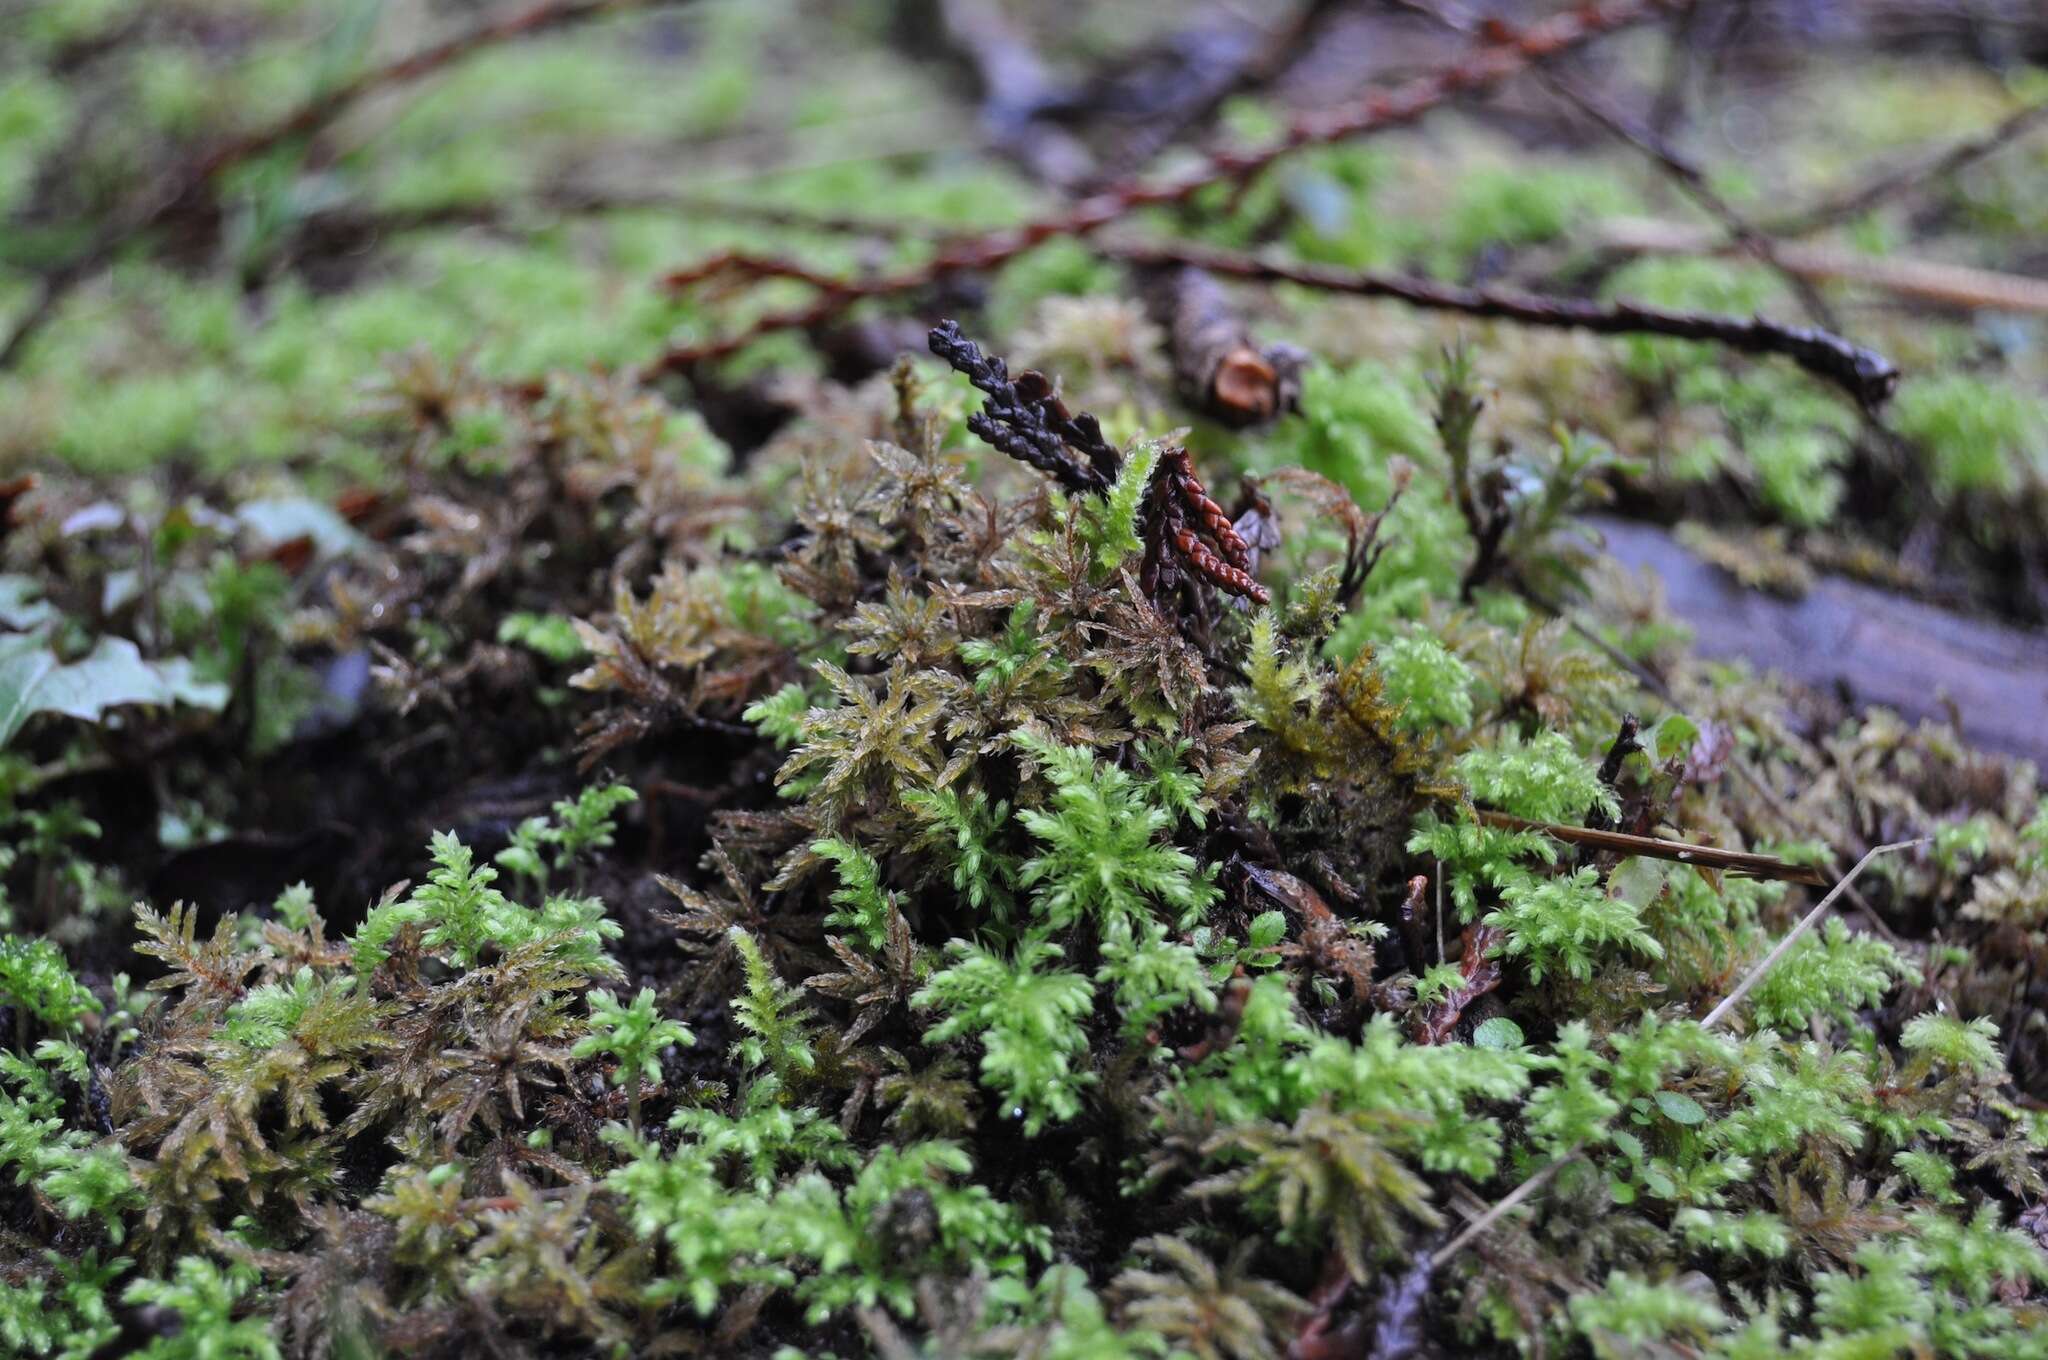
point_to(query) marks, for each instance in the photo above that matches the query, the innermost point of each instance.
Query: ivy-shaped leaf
(33, 680)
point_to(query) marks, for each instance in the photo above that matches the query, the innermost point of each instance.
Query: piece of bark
(1479, 973)
(1221, 370)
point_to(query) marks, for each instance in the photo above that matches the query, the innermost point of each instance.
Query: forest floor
(952, 679)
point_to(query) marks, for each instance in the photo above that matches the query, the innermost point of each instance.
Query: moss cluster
(1049, 964)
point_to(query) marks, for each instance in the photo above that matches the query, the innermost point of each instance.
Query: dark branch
(1865, 374)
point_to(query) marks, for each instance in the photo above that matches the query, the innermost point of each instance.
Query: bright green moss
(1977, 435)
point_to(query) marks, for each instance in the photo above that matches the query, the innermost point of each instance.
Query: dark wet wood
(1870, 646)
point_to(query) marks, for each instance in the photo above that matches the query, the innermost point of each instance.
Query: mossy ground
(500, 859)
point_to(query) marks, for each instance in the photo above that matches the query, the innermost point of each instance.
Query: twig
(1692, 182)
(326, 107)
(1483, 69)
(1763, 966)
(1865, 374)
(1017, 92)
(1197, 81)
(1949, 285)
(323, 109)
(1505, 1206)
(1857, 201)
(1656, 145)
(1654, 847)
(577, 200)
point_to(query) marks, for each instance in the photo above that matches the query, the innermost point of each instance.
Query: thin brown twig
(1861, 199)
(1496, 60)
(1934, 281)
(1656, 847)
(1692, 182)
(1865, 374)
(578, 200)
(193, 178)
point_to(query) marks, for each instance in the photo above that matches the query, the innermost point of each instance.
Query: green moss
(1977, 436)
(939, 911)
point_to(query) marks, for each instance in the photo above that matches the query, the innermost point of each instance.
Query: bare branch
(1654, 847)
(1857, 201)
(1865, 374)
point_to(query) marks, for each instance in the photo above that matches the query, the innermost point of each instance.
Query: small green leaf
(1499, 1033)
(1673, 735)
(1268, 928)
(553, 636)
(1680, 1108)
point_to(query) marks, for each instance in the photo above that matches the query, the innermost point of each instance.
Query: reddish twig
(1865, 374)
(738, 267)
(1208, 65)
(326, 107)
(192, 179)
(1483, 69)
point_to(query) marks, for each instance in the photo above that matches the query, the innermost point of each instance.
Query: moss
(826, 884)
(1976, 435)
